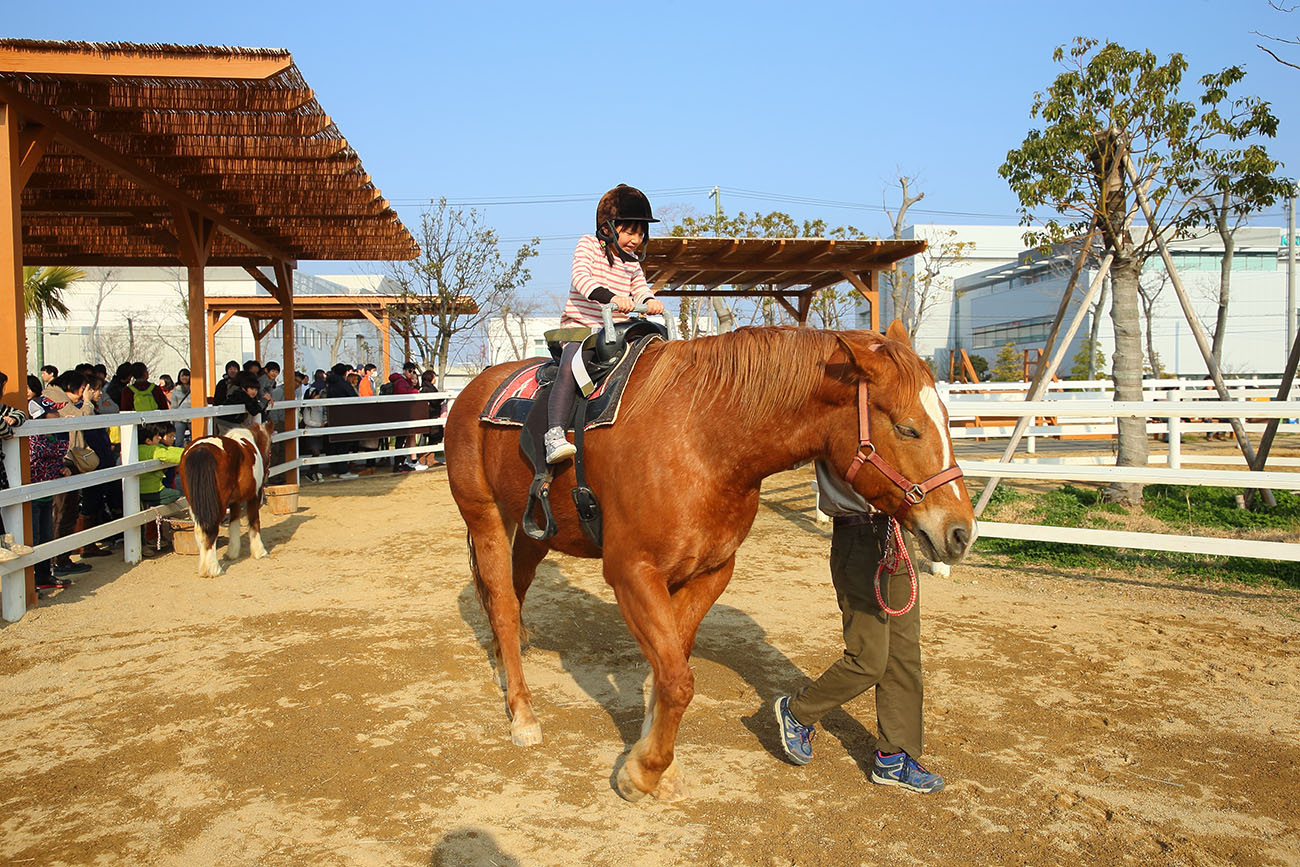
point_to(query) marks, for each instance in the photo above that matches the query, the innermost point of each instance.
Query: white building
(982, 247)
(1017, 302)
(140, 314)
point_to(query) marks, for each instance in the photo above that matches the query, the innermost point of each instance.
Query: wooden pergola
(130, 154)
(387, 313)
(791, 270)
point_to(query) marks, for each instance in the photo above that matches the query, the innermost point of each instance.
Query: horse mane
(759, 373)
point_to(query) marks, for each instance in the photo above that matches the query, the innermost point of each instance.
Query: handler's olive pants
(879, 650)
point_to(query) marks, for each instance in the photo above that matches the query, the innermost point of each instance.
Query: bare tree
(459, 280)
(106, 286)
(1281, 40)
(1150, 287)
(898, 282)
(514, 314)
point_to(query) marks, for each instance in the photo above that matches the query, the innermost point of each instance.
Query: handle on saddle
(607, 312)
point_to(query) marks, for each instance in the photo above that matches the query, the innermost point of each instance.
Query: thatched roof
(234, 135)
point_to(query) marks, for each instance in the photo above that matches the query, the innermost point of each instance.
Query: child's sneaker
(903, 771)
(558, 446)
(796, 738)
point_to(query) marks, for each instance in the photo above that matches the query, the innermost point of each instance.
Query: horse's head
(902, 470)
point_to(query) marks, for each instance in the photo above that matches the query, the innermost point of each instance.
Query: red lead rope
(895, 550)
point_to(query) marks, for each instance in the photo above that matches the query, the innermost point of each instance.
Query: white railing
(1173, 411)
(13, 584)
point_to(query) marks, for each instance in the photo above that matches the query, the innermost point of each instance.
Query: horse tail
(200, 480)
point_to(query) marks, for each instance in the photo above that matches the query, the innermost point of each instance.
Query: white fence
(1173, 411)
(13, 584)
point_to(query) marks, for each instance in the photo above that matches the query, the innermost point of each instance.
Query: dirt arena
(335, 705)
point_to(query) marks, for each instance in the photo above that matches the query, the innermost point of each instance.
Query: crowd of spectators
(250, 390)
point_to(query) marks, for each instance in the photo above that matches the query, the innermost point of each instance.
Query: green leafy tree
(1080, 368)
(1009, 366)
(980, 364)
(43, 290)
(1109, 103)
(43, 296)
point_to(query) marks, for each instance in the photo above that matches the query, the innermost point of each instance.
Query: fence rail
(13, 583)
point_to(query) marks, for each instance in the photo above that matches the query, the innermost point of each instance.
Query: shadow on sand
(466, 846)
(596, 649)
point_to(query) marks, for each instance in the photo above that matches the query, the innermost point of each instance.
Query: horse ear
(898, 332)
(860, 357)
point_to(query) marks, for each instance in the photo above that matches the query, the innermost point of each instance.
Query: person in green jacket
(159, 444)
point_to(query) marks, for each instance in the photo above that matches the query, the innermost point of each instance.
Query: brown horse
(703, 422)
(226, 472)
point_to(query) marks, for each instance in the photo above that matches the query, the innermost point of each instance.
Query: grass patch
(1173, 509)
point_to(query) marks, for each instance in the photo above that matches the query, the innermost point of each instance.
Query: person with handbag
(65, 393)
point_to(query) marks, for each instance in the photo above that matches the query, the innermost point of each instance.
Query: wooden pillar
(284, 287)
(194, 234)
(386, 329)
(19, 593)
(210, 324)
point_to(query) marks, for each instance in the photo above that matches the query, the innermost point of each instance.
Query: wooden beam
(790, 308)
(386, 330)
(88, 146)
(262, 280)
(662, 279)
(124, 62)
(739, 293)
(34, 139)
(219, 321)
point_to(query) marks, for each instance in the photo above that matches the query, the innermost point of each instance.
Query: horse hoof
(262, 556)
(672, 785)
(529, 735)
(628, 789)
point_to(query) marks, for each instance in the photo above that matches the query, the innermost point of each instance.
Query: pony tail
(199, 477)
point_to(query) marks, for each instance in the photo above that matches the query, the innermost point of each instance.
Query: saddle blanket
(513, 398)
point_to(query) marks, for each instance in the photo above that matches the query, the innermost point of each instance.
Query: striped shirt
(590, 270)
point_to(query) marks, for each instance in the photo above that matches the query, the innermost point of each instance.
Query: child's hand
(654, 307)
(624, 303)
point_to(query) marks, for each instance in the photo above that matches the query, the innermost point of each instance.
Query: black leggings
(559, 406)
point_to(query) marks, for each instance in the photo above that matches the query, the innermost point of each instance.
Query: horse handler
(880, 650)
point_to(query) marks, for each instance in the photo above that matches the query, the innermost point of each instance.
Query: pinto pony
(226, 472)
(703, 422)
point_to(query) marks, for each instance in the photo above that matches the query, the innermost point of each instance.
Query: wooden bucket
(183, 541)
(282, 499)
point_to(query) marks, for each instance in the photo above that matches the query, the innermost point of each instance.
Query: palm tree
(43, 295)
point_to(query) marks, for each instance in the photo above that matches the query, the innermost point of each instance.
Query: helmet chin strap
(610, 236)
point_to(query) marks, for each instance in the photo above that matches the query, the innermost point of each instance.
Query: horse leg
(206, 540)
(233, 549)
(254, 509)
(494, 579)
(648, 611)
(527, 554)
(691, 601)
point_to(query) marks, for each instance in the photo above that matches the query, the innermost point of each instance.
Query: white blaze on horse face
(934, 409)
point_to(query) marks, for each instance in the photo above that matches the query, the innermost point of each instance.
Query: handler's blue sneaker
(903, 771)
(796, 738)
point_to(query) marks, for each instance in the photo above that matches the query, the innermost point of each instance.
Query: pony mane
(760, 373)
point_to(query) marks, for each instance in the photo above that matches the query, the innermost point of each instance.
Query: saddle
(521, 400)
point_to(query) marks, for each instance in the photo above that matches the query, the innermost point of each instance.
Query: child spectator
(223, 386)
(10, 418)
(244, 394)
(158, 443)
(180, 397)
(141, 395)
(48, 374)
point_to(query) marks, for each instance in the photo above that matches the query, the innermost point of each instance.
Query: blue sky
(492, 102)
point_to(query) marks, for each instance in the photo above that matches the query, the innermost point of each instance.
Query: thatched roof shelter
(123, 154)
(791, 270)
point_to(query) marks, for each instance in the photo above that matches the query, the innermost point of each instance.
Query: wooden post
(1202, 342)
(19, 591)
(284, 285)
(194, 236)
(386, 328)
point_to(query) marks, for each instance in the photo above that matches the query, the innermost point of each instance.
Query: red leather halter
(913, 493)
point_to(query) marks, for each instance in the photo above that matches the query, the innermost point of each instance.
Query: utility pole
(716, 195)
(1290, 270)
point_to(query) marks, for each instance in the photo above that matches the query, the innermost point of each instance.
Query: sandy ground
(335, 705)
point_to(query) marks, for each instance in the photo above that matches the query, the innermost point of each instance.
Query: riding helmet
(623, 204)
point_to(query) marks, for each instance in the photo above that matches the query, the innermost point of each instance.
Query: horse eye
(909, 432)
